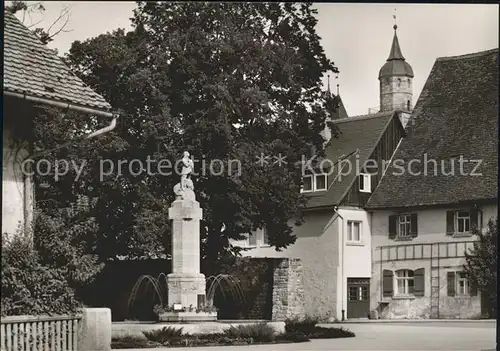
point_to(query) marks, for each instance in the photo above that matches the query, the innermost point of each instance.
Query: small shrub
(261, 332)
(306, 326)
(164, 335)
(131, 342)
(294, 337)
(331, 333)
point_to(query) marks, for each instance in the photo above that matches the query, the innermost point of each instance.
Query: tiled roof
(358, 137)
(456, 115)
(33, 69)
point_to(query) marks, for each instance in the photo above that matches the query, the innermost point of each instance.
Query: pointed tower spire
(395, 53)
(395, 78)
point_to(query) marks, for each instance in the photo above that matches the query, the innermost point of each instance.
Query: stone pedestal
(186, 285)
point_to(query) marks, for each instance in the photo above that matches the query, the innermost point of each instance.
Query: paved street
(442, 335)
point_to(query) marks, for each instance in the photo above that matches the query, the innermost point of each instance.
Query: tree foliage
(225, 81)
(482, 262)
(30, 287)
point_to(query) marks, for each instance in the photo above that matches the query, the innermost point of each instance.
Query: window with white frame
(462, 224)
(265, 237)
(354, 232)
(462, 284)
(365, 183)
(404, 282)
(307, 183)
(404, 222)
(320, 182)
(314, 182)
(258, 238)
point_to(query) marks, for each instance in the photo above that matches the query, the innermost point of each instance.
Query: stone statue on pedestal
(186, 284)
(184, 189)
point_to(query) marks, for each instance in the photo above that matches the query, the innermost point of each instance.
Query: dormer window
(307, 184)
(365, 183)
(314, 182)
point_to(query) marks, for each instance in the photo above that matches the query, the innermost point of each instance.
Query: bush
(29, 287)
(131, 342)
(306, 326)
(331, 333)
(164, 335)
(261, 332)
(294, 337)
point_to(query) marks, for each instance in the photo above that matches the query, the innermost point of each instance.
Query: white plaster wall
(357, 257)
(431, 229)
(13, 192)
(431, 225)
(317, 246)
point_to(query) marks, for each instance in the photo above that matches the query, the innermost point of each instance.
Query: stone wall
(288, 289)
(395, 92)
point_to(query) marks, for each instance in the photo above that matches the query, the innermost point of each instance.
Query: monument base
(187, 317)
(187, 290)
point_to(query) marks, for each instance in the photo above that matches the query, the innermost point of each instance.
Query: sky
(356, 37)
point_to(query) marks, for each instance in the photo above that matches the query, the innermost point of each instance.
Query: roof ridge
(466, 56)
(363, 117)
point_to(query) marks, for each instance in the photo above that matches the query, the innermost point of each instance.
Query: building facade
(33, 75)
(428, 203)
(334, 243)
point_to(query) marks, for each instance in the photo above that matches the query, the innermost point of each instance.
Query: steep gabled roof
(456, 115)
(358, 137)
(33, 69)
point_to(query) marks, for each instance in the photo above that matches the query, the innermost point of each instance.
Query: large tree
(225, 81)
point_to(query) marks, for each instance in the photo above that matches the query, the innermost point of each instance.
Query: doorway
(358, 297)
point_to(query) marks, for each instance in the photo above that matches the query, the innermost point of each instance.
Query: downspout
(336, 208)
(72, 107)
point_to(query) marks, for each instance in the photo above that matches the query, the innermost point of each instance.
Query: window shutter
(387, 283)
(414, 225)
(472, 289)
(450, 222)
(361, 182)
(473, 219)
(451, 283)
(419, 282)
(393, 220)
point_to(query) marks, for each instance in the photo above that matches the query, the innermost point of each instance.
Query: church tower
(396, 78)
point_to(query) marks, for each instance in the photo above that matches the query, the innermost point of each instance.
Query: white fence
(47, 333)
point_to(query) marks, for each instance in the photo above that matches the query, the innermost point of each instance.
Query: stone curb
(412, 321)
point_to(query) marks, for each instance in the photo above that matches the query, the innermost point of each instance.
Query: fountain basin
(133, 328)
(187, 317)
